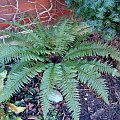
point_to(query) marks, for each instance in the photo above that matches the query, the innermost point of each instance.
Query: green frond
(20, 65)
(42, 51)
(93, 80)
(18, 79)
(36, 39)
(8, 52)
(92, 49)
(83, 33)
(64, 38)
(48, 82)
(97, 66)
(69, 89)
(29, 36)
(17, 37)
(17, 24)
(28, 56)
(25, 39)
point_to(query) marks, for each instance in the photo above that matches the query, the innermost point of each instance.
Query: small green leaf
(18, 118)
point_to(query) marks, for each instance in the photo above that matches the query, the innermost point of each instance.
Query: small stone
(85, 98)
(55, 96)
(89, 109)
(87, 94)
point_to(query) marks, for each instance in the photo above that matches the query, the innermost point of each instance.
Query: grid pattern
(46, 10)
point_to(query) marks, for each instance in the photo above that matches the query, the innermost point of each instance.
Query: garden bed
(92, 106)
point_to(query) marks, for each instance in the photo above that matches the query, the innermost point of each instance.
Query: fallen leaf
(15, 108)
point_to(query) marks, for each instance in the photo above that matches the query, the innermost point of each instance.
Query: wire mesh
(46, 10)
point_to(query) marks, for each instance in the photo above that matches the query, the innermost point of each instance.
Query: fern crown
(56, 52)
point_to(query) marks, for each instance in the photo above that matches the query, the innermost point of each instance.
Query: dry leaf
(15, 108)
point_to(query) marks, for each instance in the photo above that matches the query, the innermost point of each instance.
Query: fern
(49, 80)
(93, 80)
(95, 65)
(18, 79)
(92, 49)
(45, 89)
(19, 66)
(56, 52)
(70, 91)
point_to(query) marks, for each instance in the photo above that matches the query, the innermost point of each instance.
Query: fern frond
(26, 39)
(20, 65)
(92, 49)
(63, 41)
(36, 40)
(64, 38)
(68, 33)
(93, 80)
(14, 36)
(48, 82)
(97, 66)
(28, 56)
(8, 52)
(29, 36)
(18, 79)
(69, 89)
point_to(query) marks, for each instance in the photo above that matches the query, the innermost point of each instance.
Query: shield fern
(56, 52)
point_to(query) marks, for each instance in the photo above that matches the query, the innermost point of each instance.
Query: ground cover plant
(58, 52)
(102, 15)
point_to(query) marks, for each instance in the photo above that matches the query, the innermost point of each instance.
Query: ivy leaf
(108, 34)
